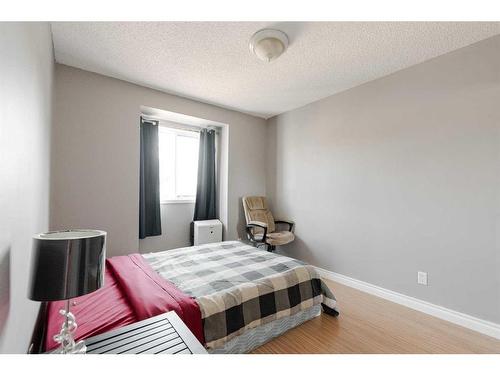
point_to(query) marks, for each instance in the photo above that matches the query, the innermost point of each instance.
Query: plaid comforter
(239, 287)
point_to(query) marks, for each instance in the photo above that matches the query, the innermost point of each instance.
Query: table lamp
(67, 264)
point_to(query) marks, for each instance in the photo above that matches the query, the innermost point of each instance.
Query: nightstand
(161, 334)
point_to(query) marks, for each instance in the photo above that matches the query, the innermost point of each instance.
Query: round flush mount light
(268, 44)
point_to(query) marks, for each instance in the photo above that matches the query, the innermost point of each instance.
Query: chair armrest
(253, 224)
(283, 221)
(257, 224)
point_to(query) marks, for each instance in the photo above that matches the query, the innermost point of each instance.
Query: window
(178, 152)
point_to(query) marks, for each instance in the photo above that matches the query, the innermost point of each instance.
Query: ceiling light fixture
(268, 44)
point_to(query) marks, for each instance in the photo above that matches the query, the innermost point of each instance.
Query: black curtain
(205, 206)
(149, 198)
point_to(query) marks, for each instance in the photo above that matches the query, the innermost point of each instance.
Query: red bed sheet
(132, 291)
(97, 312)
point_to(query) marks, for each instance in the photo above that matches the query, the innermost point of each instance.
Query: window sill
(178, 201)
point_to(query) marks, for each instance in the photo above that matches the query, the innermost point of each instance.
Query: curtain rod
(173, 124)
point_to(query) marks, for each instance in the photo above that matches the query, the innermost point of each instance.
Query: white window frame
(178, 130)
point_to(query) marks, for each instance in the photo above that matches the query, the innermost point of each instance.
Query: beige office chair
(261, 225)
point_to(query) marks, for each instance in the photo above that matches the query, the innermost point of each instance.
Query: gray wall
(175, 233)
(26, 74)
(95, 164)
(401, 175)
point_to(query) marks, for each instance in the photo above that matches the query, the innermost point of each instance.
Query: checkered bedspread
(239, 287)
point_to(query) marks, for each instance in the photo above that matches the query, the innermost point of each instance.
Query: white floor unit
(207, 231)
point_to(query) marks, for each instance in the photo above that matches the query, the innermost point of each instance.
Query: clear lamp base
(78, 348)
(65, 337)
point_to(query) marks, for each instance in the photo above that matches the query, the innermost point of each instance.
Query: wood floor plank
(369, 324)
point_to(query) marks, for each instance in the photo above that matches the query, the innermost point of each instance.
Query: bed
(232, 296)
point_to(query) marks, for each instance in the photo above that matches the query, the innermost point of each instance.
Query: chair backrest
(256, 209)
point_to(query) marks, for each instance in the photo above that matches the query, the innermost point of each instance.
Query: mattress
(258, 336)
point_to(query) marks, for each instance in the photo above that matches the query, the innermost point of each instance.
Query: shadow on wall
(4, 286)
(298, 249)
(242, 223)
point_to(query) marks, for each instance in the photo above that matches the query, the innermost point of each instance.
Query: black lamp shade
(67, 264)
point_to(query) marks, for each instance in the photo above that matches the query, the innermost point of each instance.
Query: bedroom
(351, 183)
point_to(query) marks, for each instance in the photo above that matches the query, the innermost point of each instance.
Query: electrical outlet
(422, 278)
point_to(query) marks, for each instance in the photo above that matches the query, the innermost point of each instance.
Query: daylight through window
(178, 150)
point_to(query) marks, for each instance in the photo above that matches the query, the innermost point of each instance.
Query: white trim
(464, 320)
(178, 201)
(182, 129)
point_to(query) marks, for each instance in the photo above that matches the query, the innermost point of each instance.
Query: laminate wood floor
(369, 324)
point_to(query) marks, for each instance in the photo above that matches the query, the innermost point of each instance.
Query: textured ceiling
(211, 61)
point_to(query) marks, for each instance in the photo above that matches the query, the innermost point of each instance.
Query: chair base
(269, 248)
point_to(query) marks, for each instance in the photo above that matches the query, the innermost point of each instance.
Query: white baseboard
(464, 320)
